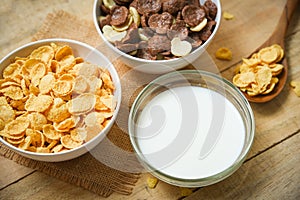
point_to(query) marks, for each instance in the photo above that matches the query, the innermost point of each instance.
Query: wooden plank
(11, 172)
(21, 19)
(271, 175)
(282, 112)
(41, 186)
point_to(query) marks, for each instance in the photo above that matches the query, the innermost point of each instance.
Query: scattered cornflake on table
(223, 53)
(151, 182)
(184, 192)
(227, 15)
(296, 87)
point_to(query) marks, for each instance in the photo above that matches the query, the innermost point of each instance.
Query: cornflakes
(65, 125)
(58, 111)
(80, 85)
(268, 55)
(27, 68)
(37, 120)
(38, 103)
(152, 182)
(42, 150)
(15, 141)
(94, 83)
(185, 191)
(94, 118)
(43, 53)
(26, 143)
(17, 126)
(7, 113)
(257, 75)
(2, 124)
(109, 101)
(50, 132)
(47, 83)
(62, 88)
(86, 69)
(227, 15)
(78, 134)
(38, 71)
(37, 137)
(296, 87)
(52, 101)
(57, 148)
(62, 52)
(224, 53)
(68, 142)
(11, 70)
(82, 103)
(13, 92)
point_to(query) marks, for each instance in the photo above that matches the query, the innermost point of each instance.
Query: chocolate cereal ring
(145, 54)
(132, 35)
(120, 3)
(104, 21)
(207, 31)
(172, 6)
(147, 7)
(119, 15)
(144, 21)
(159, 43)
(178, 29)
(133, 4)
(124, 1)
(193, 15)
(160, 22)
(126, 48)
(212, 8)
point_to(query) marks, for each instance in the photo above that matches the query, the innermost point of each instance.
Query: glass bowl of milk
(191, 128)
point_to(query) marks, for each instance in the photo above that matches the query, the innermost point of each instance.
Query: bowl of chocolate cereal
(157, 36)
(58, 99)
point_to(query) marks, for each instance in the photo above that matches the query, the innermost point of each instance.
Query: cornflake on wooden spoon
(269, 54)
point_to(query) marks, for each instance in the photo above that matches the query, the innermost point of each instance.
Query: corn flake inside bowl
(52, 101)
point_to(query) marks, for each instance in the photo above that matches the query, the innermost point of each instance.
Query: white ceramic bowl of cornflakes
(58, 99)
(157, 36)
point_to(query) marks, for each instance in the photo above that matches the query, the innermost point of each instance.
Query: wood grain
(272, 168)
(41, 186)
(273, 164)
(21, 19)
(12, 172)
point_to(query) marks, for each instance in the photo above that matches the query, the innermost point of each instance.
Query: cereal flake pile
(157, 29)
(258, 74)
(52, 101)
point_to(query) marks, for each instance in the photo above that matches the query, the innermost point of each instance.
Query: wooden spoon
(277, 37)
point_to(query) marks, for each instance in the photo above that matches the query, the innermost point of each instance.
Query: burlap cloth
(107, 168)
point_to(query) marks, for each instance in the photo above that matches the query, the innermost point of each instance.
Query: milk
(190, 132)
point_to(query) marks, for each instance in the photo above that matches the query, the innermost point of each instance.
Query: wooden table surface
(272, 168)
